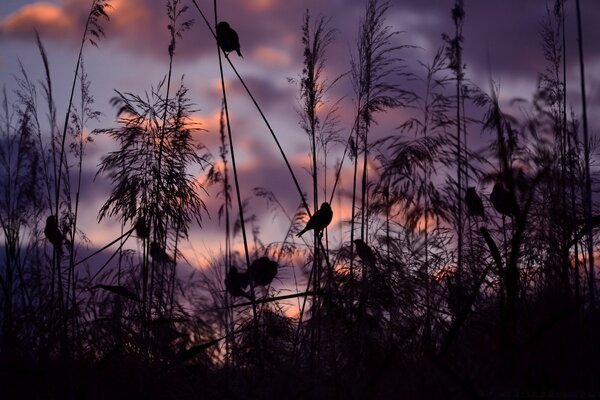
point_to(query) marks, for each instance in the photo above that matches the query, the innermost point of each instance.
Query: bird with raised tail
(228, 39)
(319, 220)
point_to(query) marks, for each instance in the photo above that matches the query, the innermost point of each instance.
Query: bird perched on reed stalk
(159, 254)
(262, 271)
(458, 296)
(365, 253)
(503, 200)
(236, 282)
(53, 233)
(141, 228)
(474, 203)
(228, 39)
(319, 220)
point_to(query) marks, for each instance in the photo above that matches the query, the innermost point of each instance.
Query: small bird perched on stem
(365, 253)
(504, 201)
(159, 254)
(53, 233)
(319, 220)
(262, 271)
(236, 282)
(141, 228)
(474, 203)
(228, 39)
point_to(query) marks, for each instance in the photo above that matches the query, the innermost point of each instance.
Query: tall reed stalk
(237, 191)
(586, 154)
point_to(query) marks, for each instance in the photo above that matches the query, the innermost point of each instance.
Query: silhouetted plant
(374, 71)
(507, 314)
(454, 52)
(20, 206)
(152, 172)
(93, 31)
(586, 154)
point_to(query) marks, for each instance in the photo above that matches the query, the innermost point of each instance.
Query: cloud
(272, 56)
(49, 19)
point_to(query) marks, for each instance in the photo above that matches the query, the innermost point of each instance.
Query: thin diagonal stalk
(259, 109)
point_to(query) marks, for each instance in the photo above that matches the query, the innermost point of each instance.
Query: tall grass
(427, 304)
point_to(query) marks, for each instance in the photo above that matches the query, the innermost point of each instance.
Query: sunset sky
(499, 35)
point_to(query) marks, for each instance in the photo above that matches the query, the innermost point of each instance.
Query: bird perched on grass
(262, 271)
(159, 254)
(365, 253)
(319, 220)
(141, 228)
(503, 200)
(119, 290)
(236, 282)
(458, 297)
(474, 203)
(228, 39)
(53, 233)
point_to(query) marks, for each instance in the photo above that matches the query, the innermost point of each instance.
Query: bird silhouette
(458, 296)
(228, 39)
(159, 254)
(319, 220)
(365, 253)
(262, 271)
(503, 201)
(474, 203)
(53, 233)
(236, 282)
(141, 228)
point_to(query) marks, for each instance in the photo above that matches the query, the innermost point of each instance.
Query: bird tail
(301, 232)
(239, 53)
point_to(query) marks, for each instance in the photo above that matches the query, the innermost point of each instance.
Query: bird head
(499, 189)
(222, 25)
(325, 206)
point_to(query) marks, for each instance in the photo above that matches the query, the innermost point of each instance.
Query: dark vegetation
(463, 272)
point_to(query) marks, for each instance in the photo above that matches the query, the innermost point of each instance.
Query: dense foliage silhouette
(460, 264)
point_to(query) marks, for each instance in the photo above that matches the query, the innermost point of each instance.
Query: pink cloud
(48, 19)
(135, 24)
(272, 56)
(262, 5)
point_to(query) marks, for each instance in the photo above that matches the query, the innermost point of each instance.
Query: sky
(501, 39)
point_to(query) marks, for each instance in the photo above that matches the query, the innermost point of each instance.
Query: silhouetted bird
(228, 39)
(53, 233)
(141, 228)
(120, 290)
(503, 201)
(159, 254)
(262, 271)
(319, 220)
(474, 203)
(458, 297)
(365, 253)
(236, 283)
